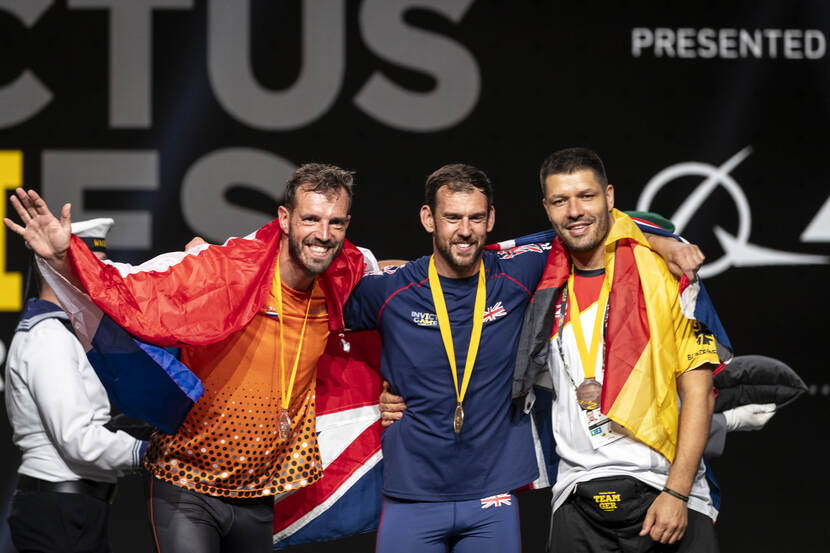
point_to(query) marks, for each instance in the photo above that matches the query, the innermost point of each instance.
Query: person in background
(58, 410)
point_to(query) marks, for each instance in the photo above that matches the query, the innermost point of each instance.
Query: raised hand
(46, 235)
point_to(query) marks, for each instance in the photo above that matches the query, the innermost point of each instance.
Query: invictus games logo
(737, 250)
(424, 319)
(607, 501)
(429, 319)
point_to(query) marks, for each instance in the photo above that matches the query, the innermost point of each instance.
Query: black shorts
(605, 515)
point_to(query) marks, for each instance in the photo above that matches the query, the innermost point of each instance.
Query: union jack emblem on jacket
(494, 312)
(496, 501)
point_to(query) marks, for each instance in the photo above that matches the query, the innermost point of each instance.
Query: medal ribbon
(589, 356)
(446, 332)
(285, 395)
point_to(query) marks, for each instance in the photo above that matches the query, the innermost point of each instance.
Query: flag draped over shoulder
(142, 381)
(347, 500)
(641, 358)
(202, 295)
(195, 297)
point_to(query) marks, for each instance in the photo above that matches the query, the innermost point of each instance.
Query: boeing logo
(738, 251)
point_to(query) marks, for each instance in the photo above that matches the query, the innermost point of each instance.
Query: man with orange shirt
(252, 317)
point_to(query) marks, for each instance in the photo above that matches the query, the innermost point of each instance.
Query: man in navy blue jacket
(459, 450)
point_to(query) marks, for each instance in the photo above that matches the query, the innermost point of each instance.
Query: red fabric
(587, 289)
(557, 269)
(349, 380)
(627, 333)
(204, 298)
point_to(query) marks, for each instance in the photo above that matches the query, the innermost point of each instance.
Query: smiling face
(315, 229)
(459, 227)
(579, 208)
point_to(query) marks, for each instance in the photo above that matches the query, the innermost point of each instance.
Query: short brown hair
(318, 177)
(457, 177)
(569, 161)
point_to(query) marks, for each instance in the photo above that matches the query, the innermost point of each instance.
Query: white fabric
(93, 228)
(76, 303)
(752, 416)
(372, 266)
(57, 408)
(624, 457)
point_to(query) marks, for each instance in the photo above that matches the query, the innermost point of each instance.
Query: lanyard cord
(446, 332)
(600, 322)
(285, 395)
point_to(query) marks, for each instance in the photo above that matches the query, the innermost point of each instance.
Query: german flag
(657, 328)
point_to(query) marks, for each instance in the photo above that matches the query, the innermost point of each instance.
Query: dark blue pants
(474, 526)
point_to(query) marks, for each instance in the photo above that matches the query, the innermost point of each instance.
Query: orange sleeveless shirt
(229, 444)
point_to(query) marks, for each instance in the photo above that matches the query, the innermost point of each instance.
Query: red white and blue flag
(347, 500)
(494, 312)
(496, 500)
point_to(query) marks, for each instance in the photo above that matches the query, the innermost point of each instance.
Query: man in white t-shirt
(623, 358)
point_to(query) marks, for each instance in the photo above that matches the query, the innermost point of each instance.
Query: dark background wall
(185, 119)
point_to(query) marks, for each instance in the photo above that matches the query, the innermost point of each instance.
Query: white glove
(752, 416)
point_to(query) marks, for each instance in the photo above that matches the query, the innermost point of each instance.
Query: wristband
(680, 496)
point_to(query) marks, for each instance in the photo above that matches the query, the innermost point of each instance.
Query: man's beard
(313, 266)
(458, 265)
(601, 226)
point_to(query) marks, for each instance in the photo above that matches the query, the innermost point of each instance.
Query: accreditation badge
(599, 428)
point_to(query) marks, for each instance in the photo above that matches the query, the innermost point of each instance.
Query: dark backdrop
(185, 120)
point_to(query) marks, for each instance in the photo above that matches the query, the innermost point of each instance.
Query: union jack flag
(496, 501)
(518, 250)
(347, 500)
(494, 312)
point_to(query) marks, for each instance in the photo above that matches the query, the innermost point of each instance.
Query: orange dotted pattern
(229, 443)
(238, 452)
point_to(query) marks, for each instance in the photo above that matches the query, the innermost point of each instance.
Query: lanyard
(446, 332)
(285, 395)
(588, 355)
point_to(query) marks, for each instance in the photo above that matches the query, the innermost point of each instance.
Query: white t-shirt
(580, 462)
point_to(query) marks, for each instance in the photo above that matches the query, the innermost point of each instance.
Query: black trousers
(606, 515)
(184, 521)
(54, 522)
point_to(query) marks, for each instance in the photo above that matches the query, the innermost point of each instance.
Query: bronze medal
(284, 425)
(458, 418)
(588, 394)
